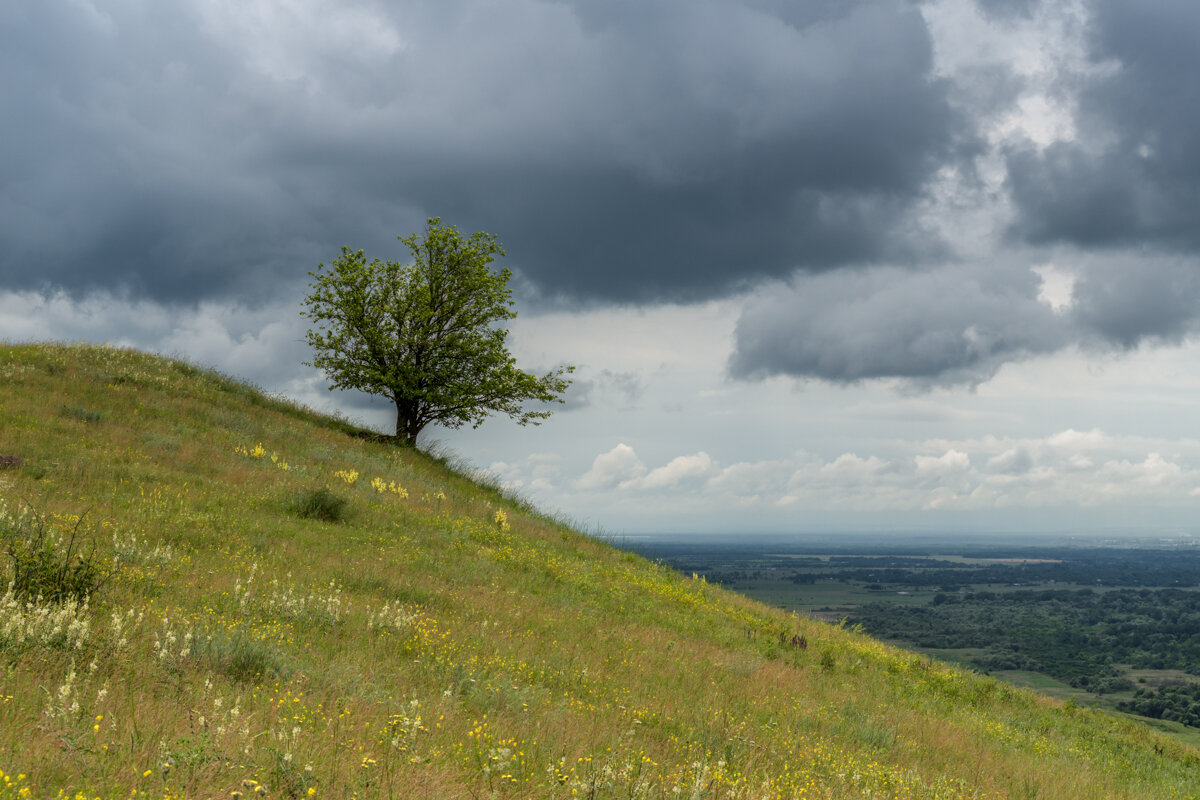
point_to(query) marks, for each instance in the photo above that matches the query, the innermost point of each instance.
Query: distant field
(1158, 677)
(824, 597)
(812, 597)
(1043, 683)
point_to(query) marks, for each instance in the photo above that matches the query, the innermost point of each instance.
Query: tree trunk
(406, 426)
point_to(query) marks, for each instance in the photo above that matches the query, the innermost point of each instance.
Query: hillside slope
(437, 641)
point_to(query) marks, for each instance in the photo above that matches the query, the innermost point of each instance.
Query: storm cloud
(958, 325)
(1126, 299)
(951, 325)
(1091, 169)
(629, 151)
(877, 183)
(1132, 175)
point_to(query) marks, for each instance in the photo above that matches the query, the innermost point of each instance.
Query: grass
(1043, 683)
(319, 504)
(831, 594)
(429, 646)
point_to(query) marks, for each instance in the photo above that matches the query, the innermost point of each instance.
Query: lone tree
(428, 336)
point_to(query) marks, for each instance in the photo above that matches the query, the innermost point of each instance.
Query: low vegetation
(320, 504)
(441, 640)
(47, 565)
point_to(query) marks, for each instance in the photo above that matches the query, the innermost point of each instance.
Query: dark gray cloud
(959, 324)
(1133, 174)
(1115, 206)
(1126, 190)
(138, 157)
(944, 326)
(1125, 300)
(631, 150)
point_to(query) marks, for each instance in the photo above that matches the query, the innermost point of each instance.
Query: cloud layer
(957, 325)
(641, 151)
(1068, 469)
(879, 176)
(948, 325)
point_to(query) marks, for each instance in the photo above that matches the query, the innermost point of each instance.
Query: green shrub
(81, 414)
(49, 565)
(320, 504)
(244, 659)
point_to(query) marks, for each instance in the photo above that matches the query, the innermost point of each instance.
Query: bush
(81, 414)
(244, 659)
(46, 564)
(320, 504)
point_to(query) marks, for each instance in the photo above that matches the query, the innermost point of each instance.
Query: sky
(822, 265)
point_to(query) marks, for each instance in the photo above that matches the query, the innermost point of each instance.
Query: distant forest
(1074, 636)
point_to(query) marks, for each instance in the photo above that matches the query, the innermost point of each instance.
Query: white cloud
(618, 467)
(535, 472)
(1014, 460)
(850, 466)
(1058, 286)
(679, 470)
(968, 475)
(1072, 439)
(751, 481)
(621, 468)
(1039, 50)
(950, 462)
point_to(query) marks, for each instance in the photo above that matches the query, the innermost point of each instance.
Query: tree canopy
(428, 335)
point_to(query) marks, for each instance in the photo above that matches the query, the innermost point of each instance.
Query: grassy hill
(431, 637)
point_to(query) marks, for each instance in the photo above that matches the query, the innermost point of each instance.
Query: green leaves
(428, 335)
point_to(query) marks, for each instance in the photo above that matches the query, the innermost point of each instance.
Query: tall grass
(442, 640)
